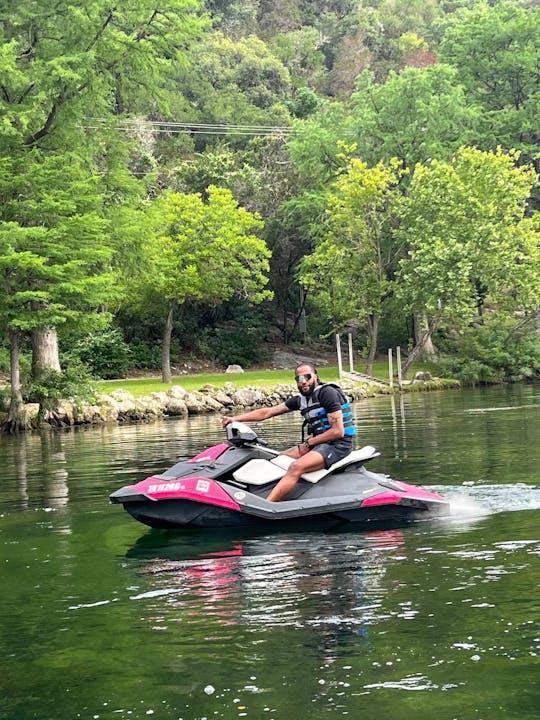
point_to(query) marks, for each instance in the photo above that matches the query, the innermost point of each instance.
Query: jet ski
(227, 485)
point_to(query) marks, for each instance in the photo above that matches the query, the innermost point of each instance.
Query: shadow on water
(200, 543)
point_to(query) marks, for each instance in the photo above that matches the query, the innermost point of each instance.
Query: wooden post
(390, 368)
(338, 348)
(398, 361)
(351, 356)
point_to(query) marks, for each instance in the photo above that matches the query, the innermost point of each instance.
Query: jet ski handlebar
(239, 433)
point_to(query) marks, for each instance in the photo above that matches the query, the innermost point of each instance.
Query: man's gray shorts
(334, 451)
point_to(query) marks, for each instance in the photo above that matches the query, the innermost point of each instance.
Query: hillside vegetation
(204, 178)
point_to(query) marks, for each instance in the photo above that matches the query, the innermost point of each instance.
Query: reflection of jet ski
(227, 484)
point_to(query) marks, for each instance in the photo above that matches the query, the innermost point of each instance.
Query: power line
(173, 127)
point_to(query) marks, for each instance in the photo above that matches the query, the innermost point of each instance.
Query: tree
(299, 50)
(278, 16)
(348, 273)
(56, 64)
(291, 234)
(60, 66)
(376, 35)
(234, 18)
(222, 166)
(55, 258)
(419, 114)
(314, 145)
(203, 251)
(231, 83)
(295, 179)
(496, 52)
(470, 242)
(351, 59)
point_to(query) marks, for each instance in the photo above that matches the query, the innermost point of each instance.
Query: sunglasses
(302, 378)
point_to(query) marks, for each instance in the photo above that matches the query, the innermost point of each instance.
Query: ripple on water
(410, 683)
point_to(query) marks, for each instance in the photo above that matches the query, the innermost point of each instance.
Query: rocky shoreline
(121, 406)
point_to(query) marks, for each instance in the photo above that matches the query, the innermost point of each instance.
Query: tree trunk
(45, 356)
(15, 420)
(166, 374)
(373, 331)
(298, 319)
(429, 351)
(417, 350)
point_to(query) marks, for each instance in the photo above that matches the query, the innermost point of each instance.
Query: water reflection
(399, 428)
(333, 583)
(36, 466)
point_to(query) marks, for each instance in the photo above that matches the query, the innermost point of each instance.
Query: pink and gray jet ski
(227, 485)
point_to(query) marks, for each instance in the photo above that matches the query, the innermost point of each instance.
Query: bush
(75, 382)
(105, 354)
(232, 344)
(25, 359)
(4, 360)
(491, 353)
(145, 355)
(5, 397)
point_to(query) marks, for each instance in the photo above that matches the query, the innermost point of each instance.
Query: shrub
(233, 344)
(4, 360)
(104, 353)
(493, 352)
(235, 335)
(5, 397)
(75, 382)
(145, 355)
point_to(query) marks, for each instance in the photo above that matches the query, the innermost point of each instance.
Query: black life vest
(316, 417)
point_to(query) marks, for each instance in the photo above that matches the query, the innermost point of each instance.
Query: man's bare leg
(307, 463)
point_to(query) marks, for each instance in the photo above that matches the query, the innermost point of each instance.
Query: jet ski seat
(261, 472)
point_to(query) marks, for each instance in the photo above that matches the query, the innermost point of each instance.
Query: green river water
(103, 618)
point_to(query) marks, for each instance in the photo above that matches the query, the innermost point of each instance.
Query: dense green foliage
(490, 353)
(236, 335)
(105, 354)
(52, 387)
(175, 180)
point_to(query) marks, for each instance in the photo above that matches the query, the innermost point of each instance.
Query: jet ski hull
(176, 514)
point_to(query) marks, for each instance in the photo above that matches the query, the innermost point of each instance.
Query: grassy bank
(256, 378)
(253, 378)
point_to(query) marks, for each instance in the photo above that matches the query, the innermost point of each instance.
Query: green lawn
(256, 378)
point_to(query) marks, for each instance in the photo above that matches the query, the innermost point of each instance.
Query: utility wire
(156, 126)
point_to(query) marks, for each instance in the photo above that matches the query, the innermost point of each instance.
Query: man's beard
(307, 393)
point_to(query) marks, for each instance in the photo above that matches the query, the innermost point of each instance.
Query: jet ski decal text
(195, 488)
(202, 486)
(166, 487)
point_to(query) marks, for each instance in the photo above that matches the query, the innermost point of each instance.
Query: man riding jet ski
(328, 416)
(236, 483)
